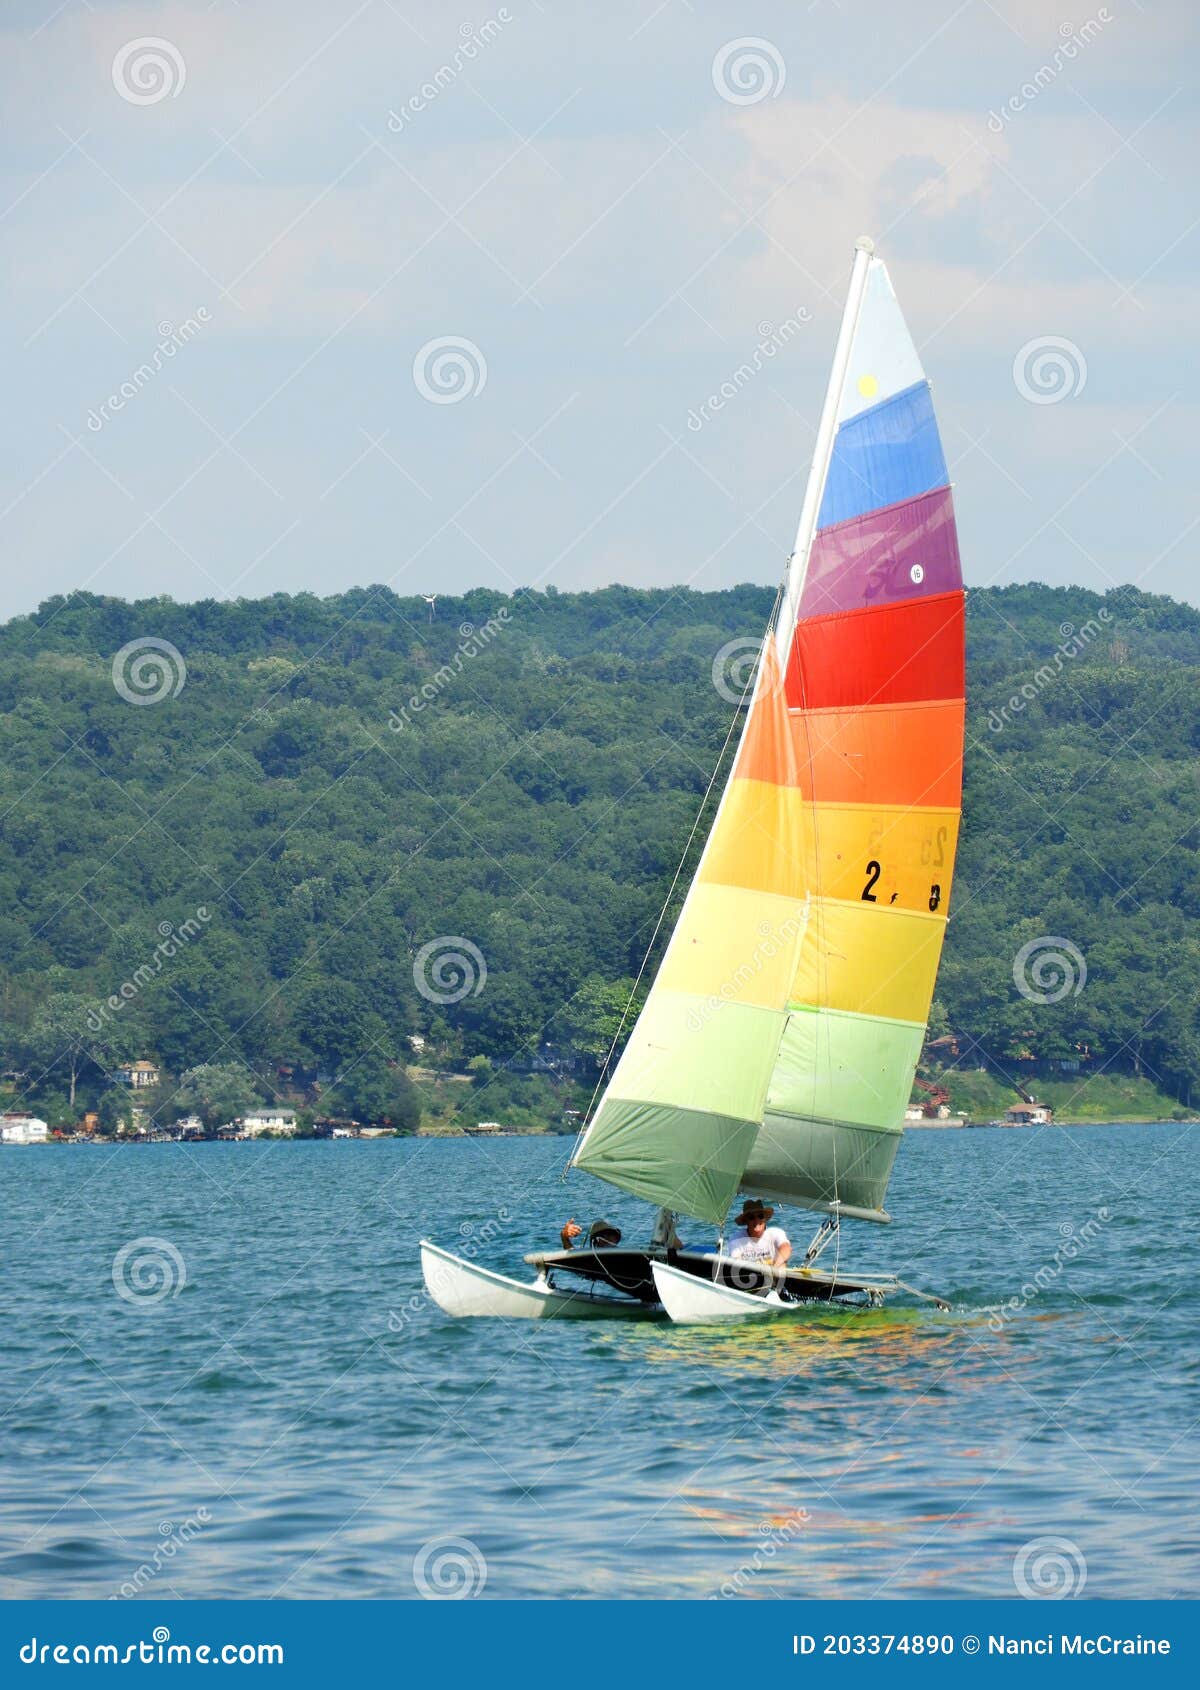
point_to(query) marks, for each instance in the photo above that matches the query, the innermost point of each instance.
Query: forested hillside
(252, 864)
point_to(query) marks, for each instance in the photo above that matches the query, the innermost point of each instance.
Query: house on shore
(137, 1075)
(257, 1121)
(187, 1126)
(23, 1129)
(1028, 1115)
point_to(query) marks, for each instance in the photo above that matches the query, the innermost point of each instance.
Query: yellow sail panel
(889, 854)
(868, 960)
(738, 946)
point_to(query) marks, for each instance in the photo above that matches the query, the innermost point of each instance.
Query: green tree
(65, 1038)
(217, 1092)
(373, 1092)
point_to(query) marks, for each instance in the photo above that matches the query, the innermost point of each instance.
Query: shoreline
(125, 1141)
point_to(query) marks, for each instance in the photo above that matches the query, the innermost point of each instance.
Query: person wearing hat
(601, 1235)
(757, 1241)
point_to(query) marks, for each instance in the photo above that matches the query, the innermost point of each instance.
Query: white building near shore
(23, 1129)
(268, 1121)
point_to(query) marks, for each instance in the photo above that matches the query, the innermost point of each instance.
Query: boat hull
(694, 1300)
(463, 1289)
(710, 1299)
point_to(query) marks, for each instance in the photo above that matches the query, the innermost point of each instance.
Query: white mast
(864, 248)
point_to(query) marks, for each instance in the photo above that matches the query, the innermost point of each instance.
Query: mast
(864, 248)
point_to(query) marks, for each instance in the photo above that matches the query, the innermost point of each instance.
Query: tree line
(269, 843)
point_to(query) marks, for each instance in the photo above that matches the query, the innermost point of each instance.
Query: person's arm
(570, 1233)
(782, 1255)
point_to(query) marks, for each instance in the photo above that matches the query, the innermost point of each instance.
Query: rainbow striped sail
(776, 1050)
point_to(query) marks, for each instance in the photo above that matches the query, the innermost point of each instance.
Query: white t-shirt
(762, 1249)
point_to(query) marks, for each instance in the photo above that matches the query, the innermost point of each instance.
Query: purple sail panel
(903, 551)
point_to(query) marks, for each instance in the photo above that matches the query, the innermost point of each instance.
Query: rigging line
(750, 681)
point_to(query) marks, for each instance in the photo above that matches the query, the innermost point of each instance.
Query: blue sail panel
(882, 456)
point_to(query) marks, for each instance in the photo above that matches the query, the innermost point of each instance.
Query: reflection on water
(301, 1391)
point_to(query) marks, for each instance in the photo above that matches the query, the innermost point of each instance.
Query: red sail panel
(895, 655)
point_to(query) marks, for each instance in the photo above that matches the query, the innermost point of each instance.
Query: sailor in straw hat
(757, 1241)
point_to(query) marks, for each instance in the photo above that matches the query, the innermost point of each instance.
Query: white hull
(462, 1289)
(697, 1301)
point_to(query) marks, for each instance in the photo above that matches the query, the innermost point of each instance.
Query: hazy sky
(613, 206)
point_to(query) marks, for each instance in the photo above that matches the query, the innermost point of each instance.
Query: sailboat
(776, 1050)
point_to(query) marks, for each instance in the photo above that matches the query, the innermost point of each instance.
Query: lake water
(295, 1419)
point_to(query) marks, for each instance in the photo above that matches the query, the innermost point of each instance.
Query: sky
(405, 293)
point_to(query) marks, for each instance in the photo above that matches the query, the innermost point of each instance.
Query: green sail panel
(832, 1123)
(684, 1106)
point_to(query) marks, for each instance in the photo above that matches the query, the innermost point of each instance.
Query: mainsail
(777, 1047)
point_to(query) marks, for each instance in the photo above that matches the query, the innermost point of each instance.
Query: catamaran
(776, 1050)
